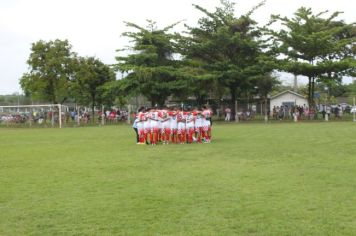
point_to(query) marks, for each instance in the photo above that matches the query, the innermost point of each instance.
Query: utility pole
(295, 84)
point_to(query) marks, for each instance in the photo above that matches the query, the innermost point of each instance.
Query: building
(287, 98)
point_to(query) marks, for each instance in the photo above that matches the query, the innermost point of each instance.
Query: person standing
(174, 125)
(141, 119)
(227, 114)
(134, 126)
(166, 125)
(153, 117)
(189, 126)
(207, 113)
(198, 125)
(181, 119)
(340, 112)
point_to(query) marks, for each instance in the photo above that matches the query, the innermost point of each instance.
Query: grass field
(253, 179)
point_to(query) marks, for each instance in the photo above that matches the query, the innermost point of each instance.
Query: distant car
(344, 105)
(353, 110)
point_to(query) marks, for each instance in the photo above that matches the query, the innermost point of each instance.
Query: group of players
(175, 125)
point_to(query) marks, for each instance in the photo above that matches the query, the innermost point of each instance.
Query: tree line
(224, 54)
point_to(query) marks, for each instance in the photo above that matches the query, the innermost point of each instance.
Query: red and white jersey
(164, 114)
(147, 122)
(153, 118)
(153, 115)
(141, 116)
(198, 119)
(173, 119)
(206, 118)
(141, 119)
(190, 120)
(207, 113)
(165, 119)
(190, 117)
(181, 116)
(172, 115)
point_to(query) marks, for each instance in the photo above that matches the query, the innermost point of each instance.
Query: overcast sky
(94, 27)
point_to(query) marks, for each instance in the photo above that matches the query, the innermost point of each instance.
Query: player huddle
(173, 126)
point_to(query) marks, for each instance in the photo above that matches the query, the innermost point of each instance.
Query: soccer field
(253, 179)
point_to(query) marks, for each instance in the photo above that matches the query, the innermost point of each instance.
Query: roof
(287, 91)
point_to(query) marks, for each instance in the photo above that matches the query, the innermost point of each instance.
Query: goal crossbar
(29, 106)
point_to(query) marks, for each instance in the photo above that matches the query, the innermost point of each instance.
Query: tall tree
(50, 70)
(228, 48)
(314, 46)
(151, 66)
(90, 84)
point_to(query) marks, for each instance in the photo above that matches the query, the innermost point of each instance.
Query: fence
(57, 115)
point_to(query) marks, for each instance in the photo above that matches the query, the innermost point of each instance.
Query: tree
(334, 88)
(227, 49)
(90, 86)
(151, 67)
(264, 84)
(14, 99)
(316, 47)
(50, 70)
(351, 92)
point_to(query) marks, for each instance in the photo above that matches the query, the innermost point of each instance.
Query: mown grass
(253, 179)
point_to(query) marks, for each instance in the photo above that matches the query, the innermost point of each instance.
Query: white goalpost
(33, 114)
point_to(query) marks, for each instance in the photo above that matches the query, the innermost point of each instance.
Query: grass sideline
(253, 179)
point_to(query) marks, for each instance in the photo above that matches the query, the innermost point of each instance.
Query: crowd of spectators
(286, 112)
(306, 113)
(113, 115)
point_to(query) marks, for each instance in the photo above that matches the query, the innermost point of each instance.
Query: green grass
(253, 179)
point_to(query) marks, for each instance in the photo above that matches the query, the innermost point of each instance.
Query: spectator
(73, 114)
(134, 126)
(336, 112)
(340, 112)
(227, 114)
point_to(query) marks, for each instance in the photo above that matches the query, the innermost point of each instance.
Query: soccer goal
(34, 115)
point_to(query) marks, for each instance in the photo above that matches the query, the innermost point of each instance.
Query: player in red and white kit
(154, 119)
(177, 125)
(181, 119)
(165, 120)
(159, 137)
(207, 113)
(174, 125)
(189, 126)
(198, 125)
(141, 119)
(147, 125)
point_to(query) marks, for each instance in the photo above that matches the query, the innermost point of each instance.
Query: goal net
(49, 115)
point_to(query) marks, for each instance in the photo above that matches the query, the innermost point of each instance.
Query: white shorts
(166, 124)
(198, 123)
(140, 126)
(147, 125)
(189, 125)
(174, 125)
(206, 125)
(154, 125)
(181, 127)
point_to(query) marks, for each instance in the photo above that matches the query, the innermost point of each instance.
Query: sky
(94, 27)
